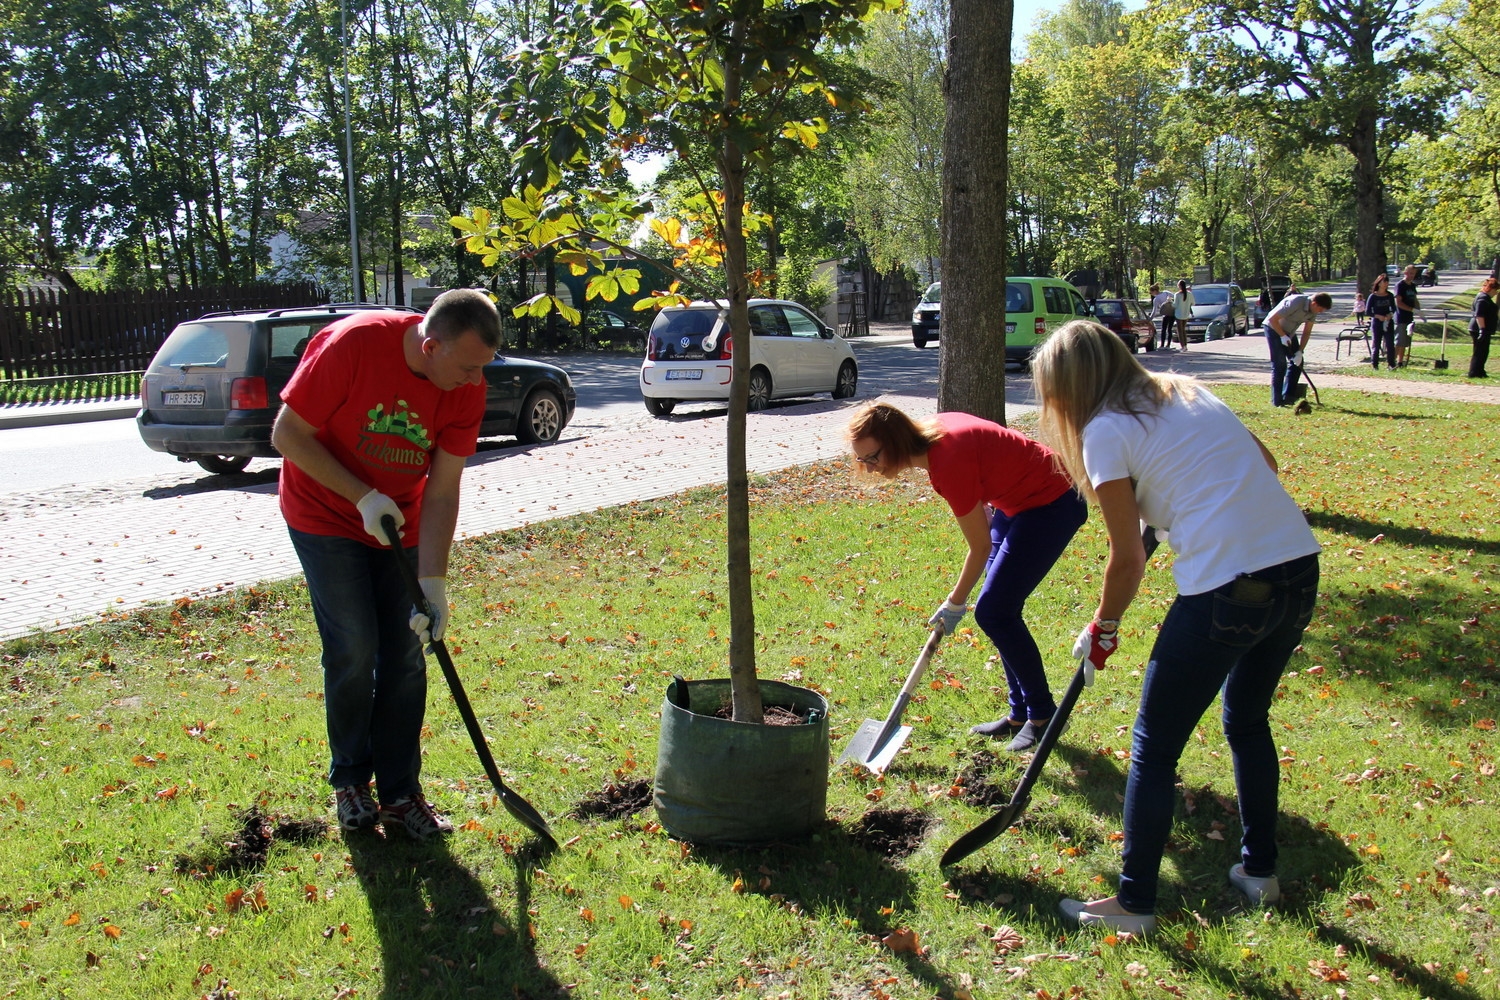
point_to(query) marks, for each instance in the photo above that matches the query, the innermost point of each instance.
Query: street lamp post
(357, 282)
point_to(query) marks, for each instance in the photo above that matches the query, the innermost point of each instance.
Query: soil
(975, 777)
(247, 848)
(775, 715)
(615, 801)
(894, 833)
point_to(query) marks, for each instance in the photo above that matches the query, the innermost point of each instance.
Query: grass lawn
(164, 818)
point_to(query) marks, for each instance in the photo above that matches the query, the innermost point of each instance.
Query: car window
(1056, 299)
(205, 345)
(801, 324)
(289, 340)
(767, 321)
(684, 323)
(1018, 298)
(1080, 307)
(934, 292)
(1113, 310)
(1133, 311)
(1206, 296)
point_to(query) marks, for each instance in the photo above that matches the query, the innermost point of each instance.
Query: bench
(1352, 335)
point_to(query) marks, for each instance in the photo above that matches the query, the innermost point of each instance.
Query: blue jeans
(374, 674)
(1281, 384)
(1383, 335)
(1022, 551)
(1227, 639)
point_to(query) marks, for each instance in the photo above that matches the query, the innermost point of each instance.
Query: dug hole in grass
(165, 825)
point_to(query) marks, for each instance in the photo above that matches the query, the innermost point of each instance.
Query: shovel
(875, 744)
(514, 804)
(1012, 810)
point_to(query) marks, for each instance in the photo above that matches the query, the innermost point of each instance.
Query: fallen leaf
(902, 941)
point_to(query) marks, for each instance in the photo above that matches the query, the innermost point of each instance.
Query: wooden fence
(51, 334)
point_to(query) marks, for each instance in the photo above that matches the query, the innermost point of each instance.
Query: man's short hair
(459, 310)
(1323, 299)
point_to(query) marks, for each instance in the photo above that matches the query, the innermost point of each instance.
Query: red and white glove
(1094, 645)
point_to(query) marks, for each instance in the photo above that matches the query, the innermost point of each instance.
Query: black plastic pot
(722, 782)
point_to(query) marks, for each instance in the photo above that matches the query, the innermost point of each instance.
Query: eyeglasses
(871, 459)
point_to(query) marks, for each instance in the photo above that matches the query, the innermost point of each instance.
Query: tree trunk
(744, 686)
(1369, 201)
(977, 90)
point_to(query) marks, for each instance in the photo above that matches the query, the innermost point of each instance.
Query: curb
(45, 414)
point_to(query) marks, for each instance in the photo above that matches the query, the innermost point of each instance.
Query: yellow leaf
(112, 932)
(73, 918)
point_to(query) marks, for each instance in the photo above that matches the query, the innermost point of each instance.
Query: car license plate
(190, 397)
(685, 373)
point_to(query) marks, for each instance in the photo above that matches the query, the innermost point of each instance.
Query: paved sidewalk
(70, 555)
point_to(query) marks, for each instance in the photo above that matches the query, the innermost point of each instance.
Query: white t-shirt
(1198, 472)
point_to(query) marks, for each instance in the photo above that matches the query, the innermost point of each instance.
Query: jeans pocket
(1240, 622)
(1307, 600)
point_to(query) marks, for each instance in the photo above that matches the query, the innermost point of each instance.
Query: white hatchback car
(688, 356)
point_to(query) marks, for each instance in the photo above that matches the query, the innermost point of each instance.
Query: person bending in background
(1161, 449)
(1018, 513)
(379, 417)
(1282, 339)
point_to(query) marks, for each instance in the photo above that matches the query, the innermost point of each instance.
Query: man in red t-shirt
(377, 421)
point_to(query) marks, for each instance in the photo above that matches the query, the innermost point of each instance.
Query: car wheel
(659, 407)
(919, 341)
(848, 381)
(542, 418)
(223, 465)
(760, 389)
(1151, 339)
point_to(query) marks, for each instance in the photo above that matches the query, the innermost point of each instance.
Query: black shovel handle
(1012, 810)
(518, 807)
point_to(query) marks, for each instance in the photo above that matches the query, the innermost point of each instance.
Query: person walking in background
(379, 417)
(1182, 308)
(1360, 303)
(1482, 327)
(1381, 305)
(1406, 309)
(1162, 449)
(1017, 512)
(1283, 342)
(1161, 311)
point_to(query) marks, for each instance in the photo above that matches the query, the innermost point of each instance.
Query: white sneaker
(1260, 891)
(1139, 924)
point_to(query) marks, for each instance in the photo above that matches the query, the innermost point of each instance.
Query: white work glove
(1093, 646)
(1297, 358)
(430, 629)
(948, 615)
(1286, 341)
(372, 507)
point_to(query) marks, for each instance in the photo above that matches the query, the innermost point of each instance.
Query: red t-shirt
(980, 461)
(377, 417)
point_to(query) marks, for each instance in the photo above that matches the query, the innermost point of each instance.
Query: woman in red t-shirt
(1016, 510)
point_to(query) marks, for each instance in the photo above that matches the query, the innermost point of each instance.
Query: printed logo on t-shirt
(375, 444)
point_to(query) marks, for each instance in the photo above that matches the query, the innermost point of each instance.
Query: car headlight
(916, 314)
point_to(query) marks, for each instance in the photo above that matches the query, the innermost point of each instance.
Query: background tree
(974, 207)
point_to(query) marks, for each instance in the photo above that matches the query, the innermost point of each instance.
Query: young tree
(713, 74)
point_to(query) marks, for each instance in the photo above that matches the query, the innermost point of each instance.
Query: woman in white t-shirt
(1161, 450)
(1182, 309)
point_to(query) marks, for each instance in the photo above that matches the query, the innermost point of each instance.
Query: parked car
(926, 317)
(1034, 307)
(689, 355)
(601, 326)
(1129, 321)
(1219, 311)
(214, 387)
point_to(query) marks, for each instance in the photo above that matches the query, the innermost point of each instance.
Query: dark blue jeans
(1022, 551)
(374, 674)
(1231, 639)
(1281, 384)
(1383, 335)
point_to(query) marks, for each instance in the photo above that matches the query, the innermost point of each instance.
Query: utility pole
(357, 282)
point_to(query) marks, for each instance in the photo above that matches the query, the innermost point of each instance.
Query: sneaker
(416, 816)
(1139, 924)
(1260, 891)
(355, 806)
(1029, 735)
(1002, 729)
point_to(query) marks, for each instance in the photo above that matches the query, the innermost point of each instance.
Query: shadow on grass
(441, 933)
(1400, 534)
(831, 876)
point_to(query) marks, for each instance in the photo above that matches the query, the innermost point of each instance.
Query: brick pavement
(68, 557)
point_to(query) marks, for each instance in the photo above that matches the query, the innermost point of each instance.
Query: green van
(1034, 307)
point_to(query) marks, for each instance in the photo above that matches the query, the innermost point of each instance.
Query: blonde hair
(1084, 369)
(898, 435)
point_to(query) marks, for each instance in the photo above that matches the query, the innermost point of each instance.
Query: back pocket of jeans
(1238, 622)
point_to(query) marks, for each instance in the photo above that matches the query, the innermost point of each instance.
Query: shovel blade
(862, 749)
(985, 832)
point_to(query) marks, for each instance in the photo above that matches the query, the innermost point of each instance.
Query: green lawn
(134, 750)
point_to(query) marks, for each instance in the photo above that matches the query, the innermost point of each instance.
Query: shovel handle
(893, 721)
